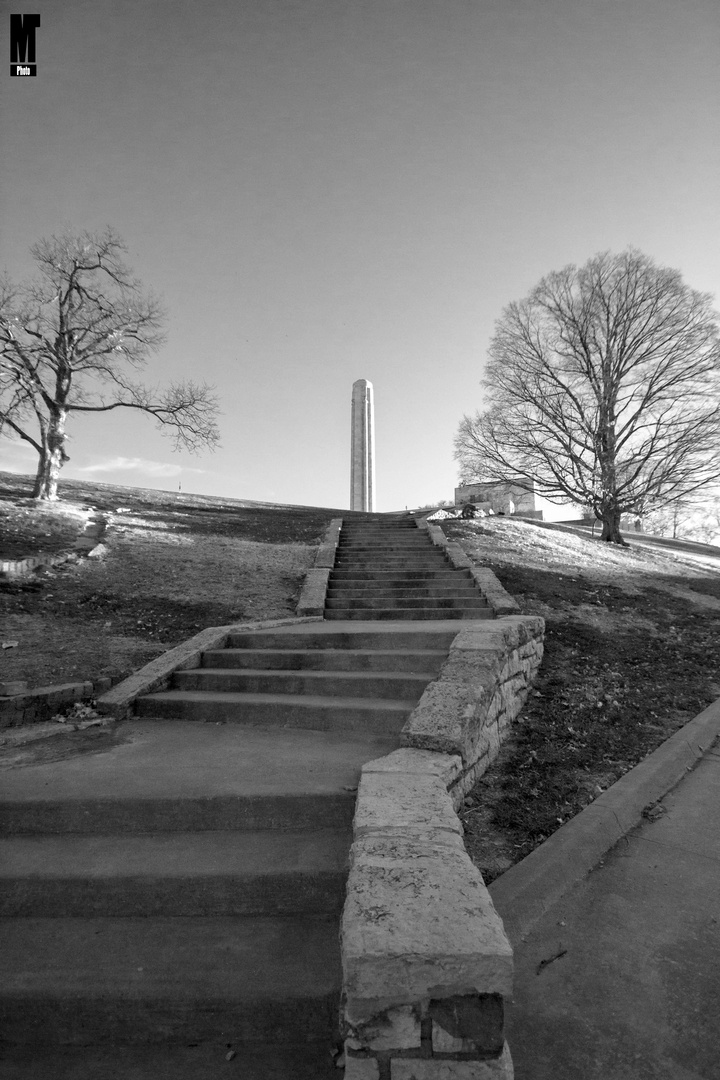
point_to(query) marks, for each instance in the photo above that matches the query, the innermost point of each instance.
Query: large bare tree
(602, 386)
(72, 341)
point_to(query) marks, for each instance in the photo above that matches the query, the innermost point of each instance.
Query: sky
(330, 190)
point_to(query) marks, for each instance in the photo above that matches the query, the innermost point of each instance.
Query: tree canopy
(602, 386)
(72, 342)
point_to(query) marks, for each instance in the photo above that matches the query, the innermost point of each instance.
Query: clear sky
(329, 190)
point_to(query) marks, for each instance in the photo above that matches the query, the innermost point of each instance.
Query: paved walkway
(620, 978)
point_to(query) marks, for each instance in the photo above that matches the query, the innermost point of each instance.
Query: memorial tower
(362, 453)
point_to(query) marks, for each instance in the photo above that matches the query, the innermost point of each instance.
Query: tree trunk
(610, 517)
(52, 459)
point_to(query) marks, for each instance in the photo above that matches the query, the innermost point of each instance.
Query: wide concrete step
(401, 686)
(409, 614)
(319, 636)
(176, 776)
(174, 874)
(411, 548)
(396, 576)
(152, 979)
(357, 590)
(176, 1061)
(350, 526)
(369, 602)
(397, 660)
(388, 562)
(410, 545)
(313, 712)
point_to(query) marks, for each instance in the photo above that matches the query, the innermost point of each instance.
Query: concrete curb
(315, 585)
(156, 675)
(526, 891)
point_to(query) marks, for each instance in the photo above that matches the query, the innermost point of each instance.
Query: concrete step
(313, 712)
(174, 874)
(387, 552)
(260, 979)
(319, 636)
(400, 577)
(410, 614)
(368, 602)
(357, 590)
(397, 660)
(412, 544)
(379, 523)
(389, 562)
(176, 1061)
(401, 686)
(177, 776)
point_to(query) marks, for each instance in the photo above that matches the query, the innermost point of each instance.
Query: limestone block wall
(312, 596)
(481, 688)
(20, 706)
(427, 966)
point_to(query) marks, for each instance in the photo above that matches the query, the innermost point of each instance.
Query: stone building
(519, 498)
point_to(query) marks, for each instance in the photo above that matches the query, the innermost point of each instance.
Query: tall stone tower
(362, 454)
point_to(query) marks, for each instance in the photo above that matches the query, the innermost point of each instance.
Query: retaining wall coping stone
(392, 801)
(447, 767)
(312, 597)
(315, 585)
(418, 927)
(118, 702)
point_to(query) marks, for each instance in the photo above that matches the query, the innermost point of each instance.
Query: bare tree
(603, 386)
(72, 340)
(693, 518)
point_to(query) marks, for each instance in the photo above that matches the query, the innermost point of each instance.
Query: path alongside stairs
(178, 898)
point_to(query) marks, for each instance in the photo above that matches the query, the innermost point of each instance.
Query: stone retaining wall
(312, 597)
(41, 704)
(427, 966)
(479, 692)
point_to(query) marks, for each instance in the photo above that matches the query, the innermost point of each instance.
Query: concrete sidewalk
(619, 978)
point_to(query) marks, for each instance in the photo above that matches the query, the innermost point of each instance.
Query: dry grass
(632, 652)
(170, 569)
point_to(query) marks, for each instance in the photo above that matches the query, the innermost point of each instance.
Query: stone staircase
(176, 899)
(390, 569)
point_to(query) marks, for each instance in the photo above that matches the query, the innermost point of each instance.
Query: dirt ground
(632, 652)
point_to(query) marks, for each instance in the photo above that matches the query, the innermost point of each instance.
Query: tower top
(362, 383)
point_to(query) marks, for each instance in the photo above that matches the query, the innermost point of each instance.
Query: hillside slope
(632, 652)
(171, 565)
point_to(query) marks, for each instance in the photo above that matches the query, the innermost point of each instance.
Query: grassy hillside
(174, 563)
(632, 652)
